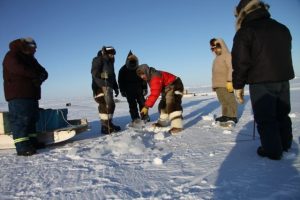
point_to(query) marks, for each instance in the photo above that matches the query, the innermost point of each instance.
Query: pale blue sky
(170, 35)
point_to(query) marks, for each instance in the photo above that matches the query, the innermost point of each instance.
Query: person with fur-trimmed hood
(170, 87)
(261, 57)
(103, 84)
(133, 87)
(222, 80)
(23, 76)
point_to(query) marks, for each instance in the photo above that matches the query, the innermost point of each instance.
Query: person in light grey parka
(222, 80)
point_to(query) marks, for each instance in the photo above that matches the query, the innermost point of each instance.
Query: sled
(58, 128)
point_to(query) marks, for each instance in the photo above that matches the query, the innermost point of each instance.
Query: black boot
(114, 128)
(108, 127)
(221, 119)
(105, 130)
(26, 151)
(261, 152)
(146, 118)
(36, 144)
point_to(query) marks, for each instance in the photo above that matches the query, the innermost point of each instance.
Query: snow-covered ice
(203, 162)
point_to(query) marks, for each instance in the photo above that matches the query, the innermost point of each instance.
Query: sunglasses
(213, 48)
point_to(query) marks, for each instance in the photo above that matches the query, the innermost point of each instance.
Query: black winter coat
(100, 65)
(130, 82)
(261, 51)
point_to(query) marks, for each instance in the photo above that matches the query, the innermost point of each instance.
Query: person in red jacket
(170, 87)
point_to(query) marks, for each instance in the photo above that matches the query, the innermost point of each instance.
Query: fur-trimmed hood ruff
(253, 5)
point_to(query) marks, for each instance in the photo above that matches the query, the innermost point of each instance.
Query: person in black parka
(261, 57)
(133, 87)
(103, 84)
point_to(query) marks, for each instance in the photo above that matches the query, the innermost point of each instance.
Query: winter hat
(108, 50)
(29, 42)
(241, 5)
(132, 61)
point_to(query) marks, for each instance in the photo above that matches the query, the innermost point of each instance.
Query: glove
(229, 87)
(144, 111)
(239, 95)
(116, 92)
(145, 92)
(123, 94)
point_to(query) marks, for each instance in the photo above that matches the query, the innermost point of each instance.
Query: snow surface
(203, 162)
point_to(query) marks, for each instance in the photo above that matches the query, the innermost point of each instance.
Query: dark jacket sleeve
(96, 71)
(115, 84)
(241, 59)
(121, 80)
(14, 67)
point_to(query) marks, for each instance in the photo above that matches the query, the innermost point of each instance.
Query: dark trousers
(170, 98)
(136, 102)
(271, 108)
(23, 115)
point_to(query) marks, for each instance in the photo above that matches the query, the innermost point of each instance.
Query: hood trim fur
(249, 8)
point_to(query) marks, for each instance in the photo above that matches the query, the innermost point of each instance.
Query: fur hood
(148, 71)
(132, 61)
(252, 6)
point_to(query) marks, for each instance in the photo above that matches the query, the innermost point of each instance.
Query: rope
(62, 114)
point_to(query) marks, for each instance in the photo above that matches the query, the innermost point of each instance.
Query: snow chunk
(292, 115)
(227, 132)
(159, 136)
(157, 161)
(208, 117)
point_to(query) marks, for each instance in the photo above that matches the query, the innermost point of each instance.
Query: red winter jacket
(157, 83)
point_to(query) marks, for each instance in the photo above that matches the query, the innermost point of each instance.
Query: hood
(17, 45)
(243, 12)
(144, 69)
(223, 45)
(132, 61)
(23, 45)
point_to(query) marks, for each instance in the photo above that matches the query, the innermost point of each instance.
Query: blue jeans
(23, 115)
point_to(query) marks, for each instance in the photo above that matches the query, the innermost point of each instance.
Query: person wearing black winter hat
(103, 84)
(261, 57)
(133, 88)
(23, 77)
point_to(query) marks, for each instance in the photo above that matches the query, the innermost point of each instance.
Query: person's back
(270, 44)
(261, 57)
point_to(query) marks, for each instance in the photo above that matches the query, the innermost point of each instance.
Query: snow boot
(174, 130)
(105, 130)
(28, 151)
(108, 127)
(234, 119)
(221, 119)
(114, 128)
(137, 123)
(157, 124)
(261, 152)
(36, 144)
(146, 118)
